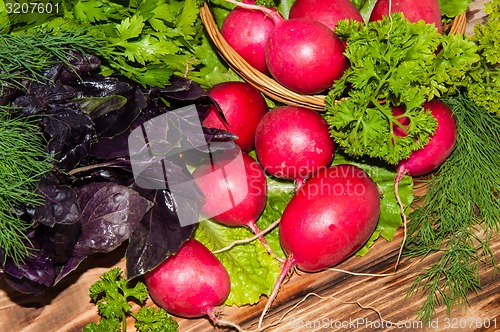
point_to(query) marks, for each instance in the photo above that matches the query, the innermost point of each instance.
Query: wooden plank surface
(67, 307)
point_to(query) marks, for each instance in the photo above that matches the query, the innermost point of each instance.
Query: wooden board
(67, 307)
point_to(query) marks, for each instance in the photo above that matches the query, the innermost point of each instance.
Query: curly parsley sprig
(485, 90)
(112, 294)
(394, 63)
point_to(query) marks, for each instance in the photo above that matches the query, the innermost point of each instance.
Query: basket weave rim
(266, 84)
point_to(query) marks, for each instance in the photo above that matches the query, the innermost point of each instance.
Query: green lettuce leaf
(452, 8)
(251, 269)
(4, 18)
(211, 68)
(365, 8)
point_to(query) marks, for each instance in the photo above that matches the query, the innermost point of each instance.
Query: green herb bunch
(147, 41)
(485, 91)
(22, 161)
(460, 213)
(394, 63)
(25, 56)
(113, 294)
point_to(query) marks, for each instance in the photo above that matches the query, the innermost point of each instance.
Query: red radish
(302, 54)
(293, 143)
(440, 145)
(247, 32)
(243, 106)
(414, 11)
(432, 155)
(325, 11)
(189, 283)
(235, 191)
(329, 218)
(247, 187)
(305, 55)
(399, 111)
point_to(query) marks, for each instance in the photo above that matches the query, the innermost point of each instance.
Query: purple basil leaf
(186, 92)
(119, 121)
(41, 97)
(57, 242)
(71, 264)
(71, 133)
(113, 141)
(218, 135)
(7, 94)
(114, 128)
(34, 275)
(110, 213)
(24, 285)
(100, 86)
(183, 89)
(81, 63)
(169, 173)
(110, 147)
(59, 207)
(159, 234)
(116, 170)
(223, 138)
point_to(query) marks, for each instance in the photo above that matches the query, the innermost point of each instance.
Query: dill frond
(25, 56)
(460, 212)
(22, 161)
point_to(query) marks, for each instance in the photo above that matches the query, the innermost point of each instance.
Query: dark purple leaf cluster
(92, 203)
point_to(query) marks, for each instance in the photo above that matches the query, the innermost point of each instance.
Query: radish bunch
(331, 215)
(302, 54)
(334, 209)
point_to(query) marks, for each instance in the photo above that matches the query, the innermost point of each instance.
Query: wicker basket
(266, 84)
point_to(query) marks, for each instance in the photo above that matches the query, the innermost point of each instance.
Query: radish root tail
(400, 174)
(215, 319)
(289, 264)
(258, 235)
